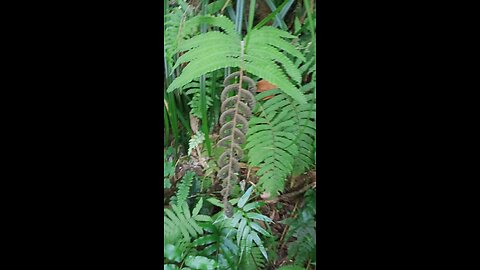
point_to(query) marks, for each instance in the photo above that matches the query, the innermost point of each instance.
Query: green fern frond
(303, 229)
(192, 90)
(218, 244)
(275, 55)
(183, 188)
(270, 140)
(195, 102)
(204, 65)
(209, 39)
(281, 138)
(180, 225)
(268, 70)
(214, 50)
(195, 141)
(272, 36)
(303, 249)
(306, 114)
(253, 260)
(173, 21)
(220, 21)
(174, 30)
(247, 228)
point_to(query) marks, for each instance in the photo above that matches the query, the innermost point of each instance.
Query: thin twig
(224, 6)
(292, 194)
(286, 227)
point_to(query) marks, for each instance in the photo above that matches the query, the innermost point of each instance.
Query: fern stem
(294, 215)
(234, 121)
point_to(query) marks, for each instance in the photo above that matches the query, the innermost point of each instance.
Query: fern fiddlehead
(239, 109)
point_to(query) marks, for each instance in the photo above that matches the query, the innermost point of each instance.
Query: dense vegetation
(240, 134)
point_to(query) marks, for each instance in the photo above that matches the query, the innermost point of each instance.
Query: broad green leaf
(200, 263)
(205, 240)
(203, 218)
(245, 197)
(258, 228)
(257, 241)
(259, 217)
(215, 202)
(241, 227)
(172, 253)
(197, 208)
(252, 205)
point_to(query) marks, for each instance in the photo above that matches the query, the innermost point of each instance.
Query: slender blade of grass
(171, 103)
(251, 14)
(278, 20)
(166, 126)
(216, 101)
(239, 16)
(203, 94)
(273, 14)
(203, 107)
(173, 118)
(310, 24)
(284, 10)
(231, 13)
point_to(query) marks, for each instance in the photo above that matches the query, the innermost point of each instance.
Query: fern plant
(264, 48)
(193, 90)
(281, 137)
(173, 23)
(218, 245)
(195, 141)
(183, 188)
(274, 130)
(226, 244)
(180, 227)
(303, 230)
(253, 260)
(244, 224)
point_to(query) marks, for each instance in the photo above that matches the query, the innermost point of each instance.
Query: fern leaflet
(183, 188)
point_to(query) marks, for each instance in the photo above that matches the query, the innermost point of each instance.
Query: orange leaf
(265, 85)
